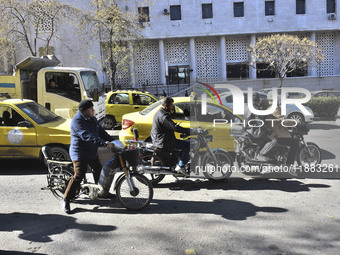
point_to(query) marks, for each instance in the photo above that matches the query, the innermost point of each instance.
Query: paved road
(239, 216)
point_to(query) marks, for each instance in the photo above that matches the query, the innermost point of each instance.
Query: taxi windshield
(38, 113)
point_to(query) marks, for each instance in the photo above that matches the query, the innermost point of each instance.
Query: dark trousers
(294, 146)
(80, 169)
(184, 145)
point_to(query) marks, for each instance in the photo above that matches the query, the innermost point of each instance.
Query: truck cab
(59, 89)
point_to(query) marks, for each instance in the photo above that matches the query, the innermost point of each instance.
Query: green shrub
(324, 106)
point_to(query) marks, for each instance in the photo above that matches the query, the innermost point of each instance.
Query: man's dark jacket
(163, 131)
(86, 136)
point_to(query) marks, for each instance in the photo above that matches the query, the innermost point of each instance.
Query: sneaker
(262, 158)
(181, 169)
(65, 204)
(292, 171)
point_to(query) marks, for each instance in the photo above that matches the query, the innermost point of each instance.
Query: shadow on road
(228, 209)
(327, 155)
(39, 228)
(21, 167)
(2, 252)
(287, 185)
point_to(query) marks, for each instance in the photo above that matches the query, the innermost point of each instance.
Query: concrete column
(312, 68)
(161, 62)
(132, 69)
(193, 66)
(223, 67)
(252, 70)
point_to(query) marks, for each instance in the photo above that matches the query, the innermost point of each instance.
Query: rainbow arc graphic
(209, 93)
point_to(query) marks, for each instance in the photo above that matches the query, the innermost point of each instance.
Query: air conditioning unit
(332, 16)
(165, 11)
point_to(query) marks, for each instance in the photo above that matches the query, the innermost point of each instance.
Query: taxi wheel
(60, 153)
(110, 122)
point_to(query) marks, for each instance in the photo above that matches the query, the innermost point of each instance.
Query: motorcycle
(248, 146)
(203, 159)
(134, 191)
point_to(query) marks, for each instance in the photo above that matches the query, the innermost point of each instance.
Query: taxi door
(16, 142)
(119, 104)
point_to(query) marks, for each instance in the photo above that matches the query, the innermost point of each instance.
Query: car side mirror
(95, 95)
(25, 123)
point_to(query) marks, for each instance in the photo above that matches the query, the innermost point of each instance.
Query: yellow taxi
(26, 126)
(188, 113)
(121, 102)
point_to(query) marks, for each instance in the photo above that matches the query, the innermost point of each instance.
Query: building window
(179, 75)
(298, 72)
(300, 6)
(239, 9)
(263, 72)
(330, 6)
(143, 14)
(207, 12)
(175, 12)
(269, 8)
(237, 71)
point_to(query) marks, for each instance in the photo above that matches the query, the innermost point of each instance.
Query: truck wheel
(110, 122)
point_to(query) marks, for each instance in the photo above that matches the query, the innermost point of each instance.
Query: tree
(285, 53)
(119, 33)
(29, 25)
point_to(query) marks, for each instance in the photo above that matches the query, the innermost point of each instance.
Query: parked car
(188, 114)
(326, 93)
(121, 102)
(289, 94)
(26, 126)
(293, 112)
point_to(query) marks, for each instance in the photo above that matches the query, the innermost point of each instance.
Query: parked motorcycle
(134, 191)
(248, 146)
(205, 162)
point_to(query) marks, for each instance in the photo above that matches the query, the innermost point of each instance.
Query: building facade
(207, 40)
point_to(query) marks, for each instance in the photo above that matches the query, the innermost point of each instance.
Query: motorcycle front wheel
(219, 170)
(309, 155)
(138, 198)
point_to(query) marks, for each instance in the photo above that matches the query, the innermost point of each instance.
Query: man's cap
(85, 104)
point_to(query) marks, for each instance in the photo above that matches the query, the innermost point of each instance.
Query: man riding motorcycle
(163, 133)
(274, 132)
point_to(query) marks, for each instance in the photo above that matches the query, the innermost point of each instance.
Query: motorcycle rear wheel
(140, 197)
(224, 161)
(309, 155)
(153, 178)
(58, 181)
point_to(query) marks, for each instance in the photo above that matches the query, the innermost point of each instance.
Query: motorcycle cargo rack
(133, 157)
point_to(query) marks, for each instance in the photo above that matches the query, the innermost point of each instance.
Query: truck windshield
(91, 82)
(38, 113)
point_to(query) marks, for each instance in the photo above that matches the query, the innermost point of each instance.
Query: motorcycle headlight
(194, 144)
(118, 145)
(209, 138)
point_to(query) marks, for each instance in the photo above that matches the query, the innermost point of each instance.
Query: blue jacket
(86, 136)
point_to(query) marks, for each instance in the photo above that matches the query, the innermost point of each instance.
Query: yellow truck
(59, 89)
